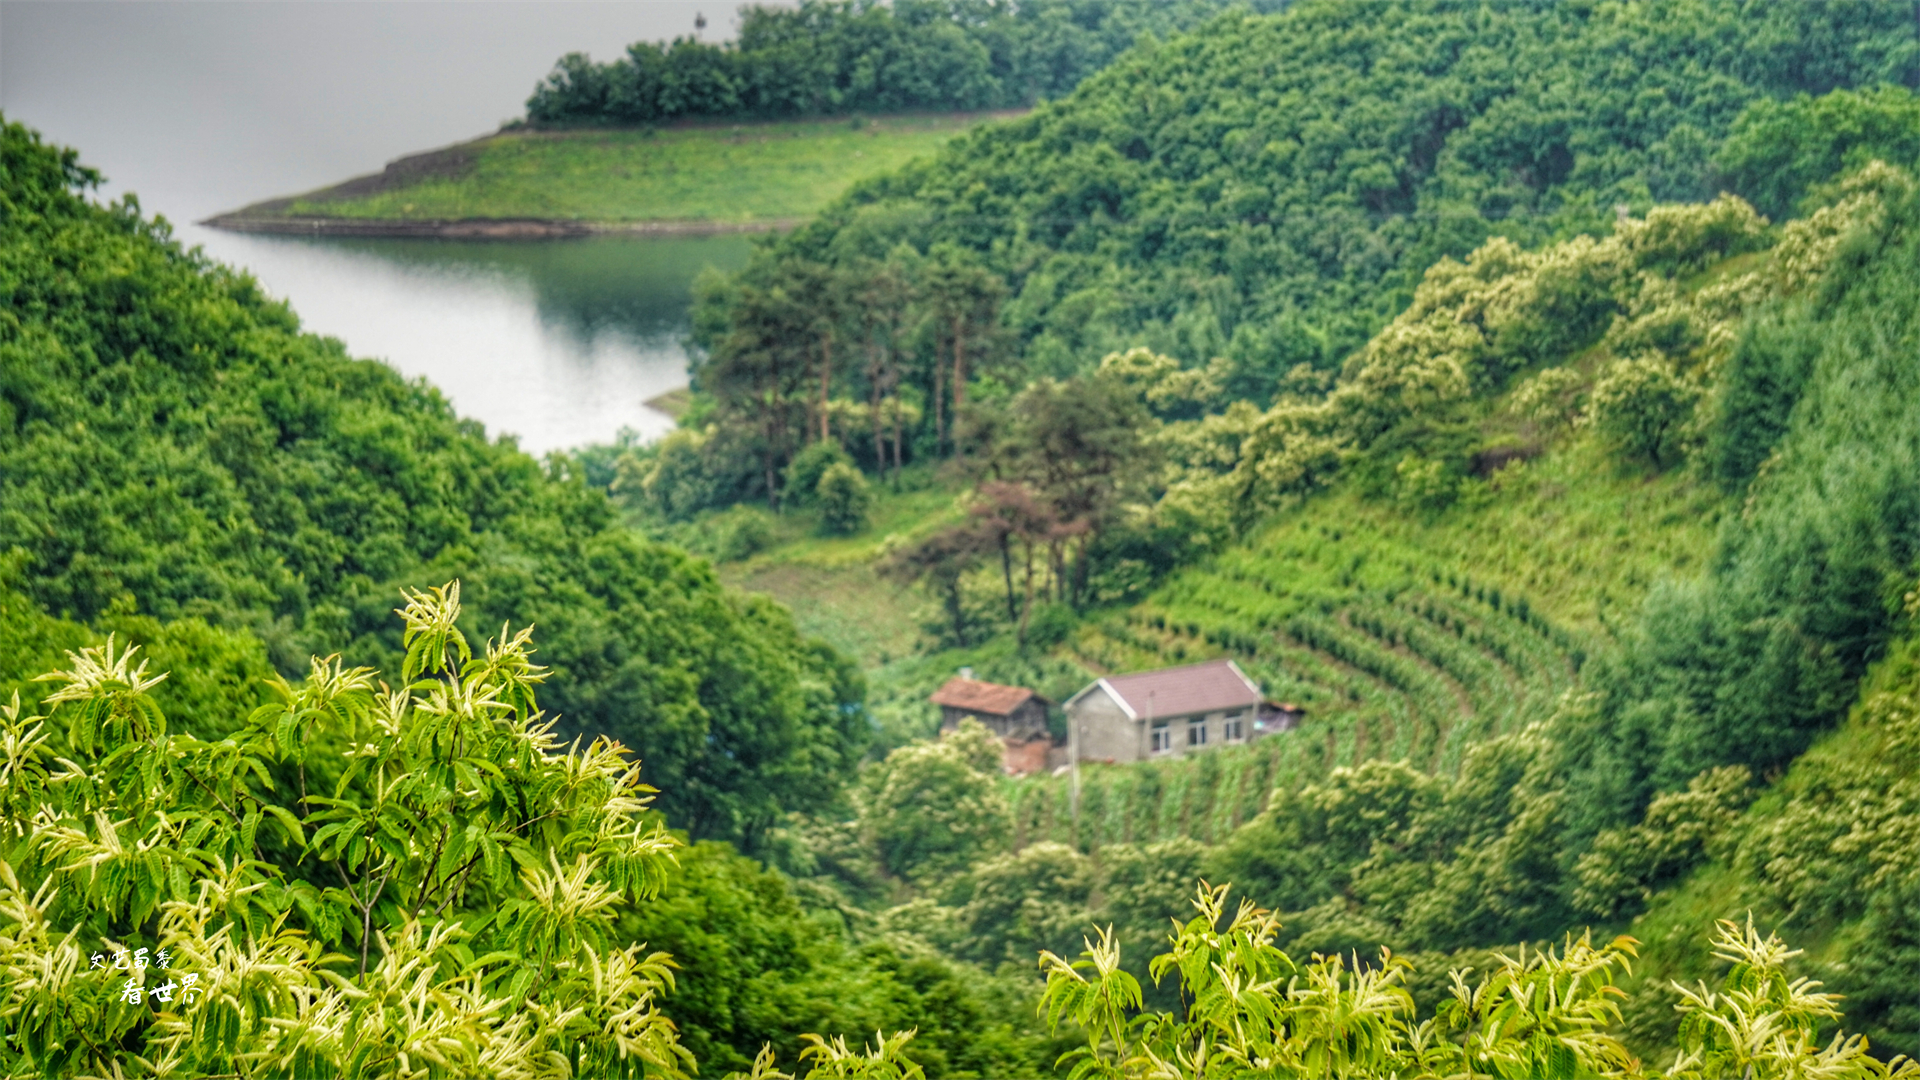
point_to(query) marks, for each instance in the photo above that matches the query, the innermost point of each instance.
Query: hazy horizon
(203, 106)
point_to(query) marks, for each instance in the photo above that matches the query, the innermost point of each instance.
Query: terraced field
(1403, 638)
(1392, 654)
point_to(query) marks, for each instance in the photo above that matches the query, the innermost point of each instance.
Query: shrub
(844, 499)
(808, 466)
(1642, 407)
(741, 532)
(467, 863)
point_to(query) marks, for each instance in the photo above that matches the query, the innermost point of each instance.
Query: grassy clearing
(834, 581)
(836, 592)
(736, 174)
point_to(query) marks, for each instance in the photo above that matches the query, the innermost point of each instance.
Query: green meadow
(736, 174)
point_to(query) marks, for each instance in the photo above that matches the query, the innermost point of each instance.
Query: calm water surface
(558, 342)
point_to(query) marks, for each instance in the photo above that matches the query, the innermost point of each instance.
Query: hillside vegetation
(825, 57)
(1270, 189)
(196, 499)
(171, 445)
(1409, 354)
(744, 175)
(1584, 545)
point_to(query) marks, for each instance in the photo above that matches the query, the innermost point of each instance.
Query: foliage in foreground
(1249, 1009)
(411, 881)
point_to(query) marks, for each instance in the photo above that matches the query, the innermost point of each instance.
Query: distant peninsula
(693, 179)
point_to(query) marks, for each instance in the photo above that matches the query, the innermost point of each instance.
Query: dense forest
(827, 57)
(1528, 391)
(174, 446)
(1256, 198)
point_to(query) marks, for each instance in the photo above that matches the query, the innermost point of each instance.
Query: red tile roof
(981, 697)
(1183, 691)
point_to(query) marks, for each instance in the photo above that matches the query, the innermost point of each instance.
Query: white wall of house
(1106, 731)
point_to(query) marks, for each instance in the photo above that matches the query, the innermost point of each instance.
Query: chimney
(966, 673)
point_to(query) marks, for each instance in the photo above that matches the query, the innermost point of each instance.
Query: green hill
(1269, 189)
(173, 446)
(751, 175)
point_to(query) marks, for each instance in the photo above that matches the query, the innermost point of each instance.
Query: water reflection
(556, 341)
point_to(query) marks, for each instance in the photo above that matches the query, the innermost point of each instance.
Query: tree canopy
(172, 446)
(1269, 189)
(842, 56)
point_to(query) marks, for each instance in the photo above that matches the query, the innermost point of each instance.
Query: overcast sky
(205, 106)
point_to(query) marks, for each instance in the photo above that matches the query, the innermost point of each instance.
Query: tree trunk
(826, 383)
(1055, 568)
(1027, 611)
(959, 381)
(1082, 567)
(873, 414)
(1006, 572)
(896, 439)
(956, 610)
(939, 429)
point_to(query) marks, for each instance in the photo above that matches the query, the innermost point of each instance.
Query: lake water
(202, 108)
(558, 342)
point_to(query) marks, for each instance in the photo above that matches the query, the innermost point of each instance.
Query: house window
(1162, 738)
(1197, 733)
(1233, 730)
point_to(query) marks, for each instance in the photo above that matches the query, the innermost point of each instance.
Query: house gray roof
(1180, 691)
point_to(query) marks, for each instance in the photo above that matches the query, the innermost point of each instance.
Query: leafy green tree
(841, 56)
(1014, 905)
(1642, 406)
(1762, 1025)
(1625, 866)
(445, 908)
(931, 808)
(943, 561)
(808, 466)
(759, 969)
(961, 300)
(1779, 151)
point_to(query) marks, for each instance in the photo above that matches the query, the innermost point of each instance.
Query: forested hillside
(1571, 544)
(824, 57)
(1529, 392)
(1265, 192)
(171, 445)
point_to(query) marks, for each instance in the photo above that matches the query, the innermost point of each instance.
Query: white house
(1172, 711)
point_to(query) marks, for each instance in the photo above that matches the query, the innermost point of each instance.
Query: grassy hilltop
(742, 175)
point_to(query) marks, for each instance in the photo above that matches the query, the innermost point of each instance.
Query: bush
(808, 466)
(844, 499)
(675, 483)
(739, 533)
(931, 808)
(1642, 406)
(1051, 624)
